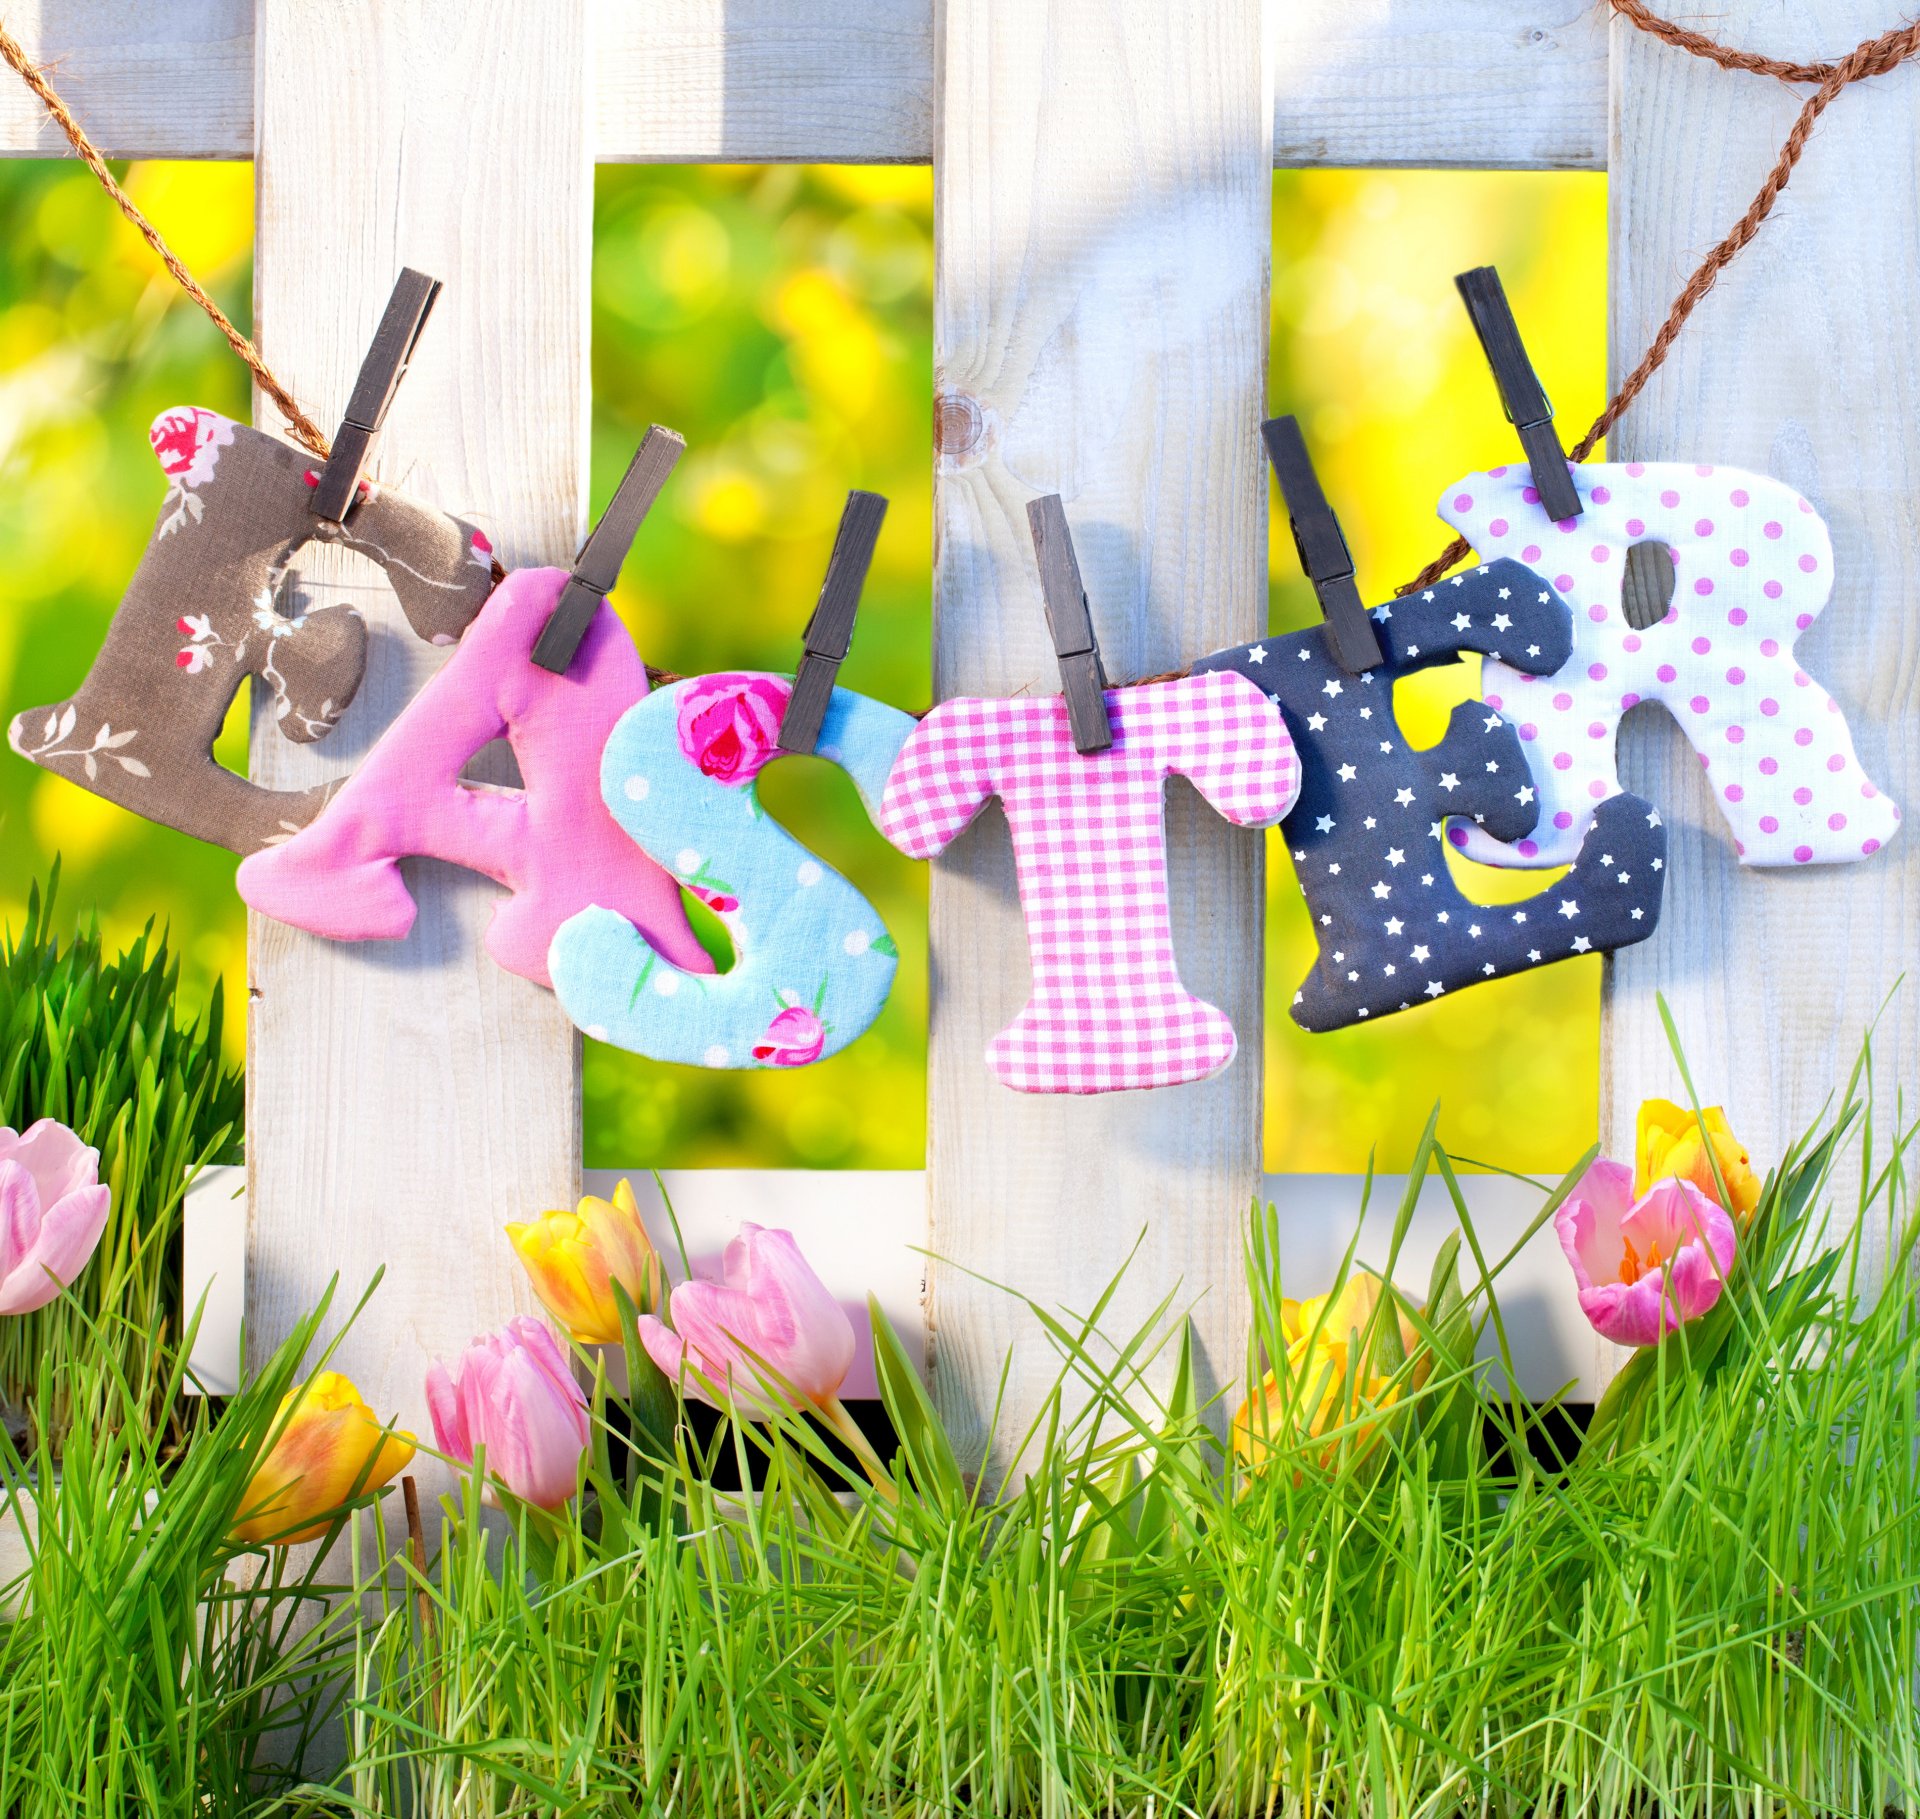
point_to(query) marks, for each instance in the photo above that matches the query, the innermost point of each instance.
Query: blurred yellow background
(781, 318)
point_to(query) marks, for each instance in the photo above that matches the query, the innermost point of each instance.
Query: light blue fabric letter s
(813, 962)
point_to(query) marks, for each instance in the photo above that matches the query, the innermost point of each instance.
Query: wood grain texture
(1801, 363)
(404, 1099)
(1362, 82)
(173, 80)
(764, 81)
(1100, 304)
(1484, 83)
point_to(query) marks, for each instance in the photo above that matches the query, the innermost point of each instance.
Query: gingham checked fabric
(1108, 1010)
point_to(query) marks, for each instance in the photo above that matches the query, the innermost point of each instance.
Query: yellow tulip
(1668, 1147)
(574, 1259)
(331, 1448)
(1321, 1334)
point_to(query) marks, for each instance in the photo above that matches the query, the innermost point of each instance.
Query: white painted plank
(404, 1099)
(1100, 309)
(764, 81)
(1415, 82)
(213, 1270)
(1801, 363)
(173, 80)
(1442, 82)
(865, 1231)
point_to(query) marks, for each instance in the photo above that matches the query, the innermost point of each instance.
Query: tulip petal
(450, 1431)
(54, 1156)
(19, 1215)
(59, 1252)
(667, 1350)
(1588, 1222)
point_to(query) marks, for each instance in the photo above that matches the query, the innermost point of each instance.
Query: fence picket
(1103, 244)
(404, 1101)
(1800, 363)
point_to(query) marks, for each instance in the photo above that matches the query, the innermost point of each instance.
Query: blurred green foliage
(781, 318)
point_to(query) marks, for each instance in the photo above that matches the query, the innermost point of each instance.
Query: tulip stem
(837, 1417)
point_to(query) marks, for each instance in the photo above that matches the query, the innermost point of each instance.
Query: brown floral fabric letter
(208, 607)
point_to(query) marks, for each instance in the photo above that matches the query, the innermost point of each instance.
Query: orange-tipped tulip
(331, 1448)
(1308, 1394)
(1668, 1147)
(574, 1259)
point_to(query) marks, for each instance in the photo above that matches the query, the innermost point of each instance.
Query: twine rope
(298, 421)
(1873, 57)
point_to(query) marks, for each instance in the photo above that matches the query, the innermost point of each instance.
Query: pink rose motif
(729, 724)
(187, 442)
(722, 903)
(793, 1039)
(193, 658)
(480, 551)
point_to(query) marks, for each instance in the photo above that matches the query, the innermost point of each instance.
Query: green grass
(1714, 1608)
(97, 1042)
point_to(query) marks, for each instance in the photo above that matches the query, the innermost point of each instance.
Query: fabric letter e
(1108, 1010)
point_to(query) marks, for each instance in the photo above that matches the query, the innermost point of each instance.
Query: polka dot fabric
(813, 962)
(1108, 1011)
(1754, 566)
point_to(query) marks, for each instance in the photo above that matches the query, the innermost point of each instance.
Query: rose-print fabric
(1108, 1011)
(1367, 836)
(813, 962)
(1754, 567)
(552, 843)
(213, 602)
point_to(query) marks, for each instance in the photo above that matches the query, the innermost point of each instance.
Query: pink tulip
(514, 1396)
(52, 1212)
(767, 1332)
(1644, 1266)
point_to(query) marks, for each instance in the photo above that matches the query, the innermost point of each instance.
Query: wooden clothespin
(1521, 394)
(829, 632)
(597, 567)
(1323, 549)
(380, 375)
(1068, 619)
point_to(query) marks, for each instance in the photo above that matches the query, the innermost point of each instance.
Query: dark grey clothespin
(380, 375)
(829, 632)
(1068, 619)
(1521, 395)
(1323, 550)
(597, 567)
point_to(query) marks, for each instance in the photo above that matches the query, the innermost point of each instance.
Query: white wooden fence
(1102, 190)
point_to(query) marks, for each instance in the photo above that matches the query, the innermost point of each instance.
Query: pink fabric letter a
(1108, 1010)
(553, 844)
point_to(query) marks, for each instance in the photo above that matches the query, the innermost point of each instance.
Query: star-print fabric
(1108, 1011)
(813, 962)
(1369, 831)
(1754, 566)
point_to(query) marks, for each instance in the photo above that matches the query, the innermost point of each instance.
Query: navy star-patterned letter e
(1366, 833)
